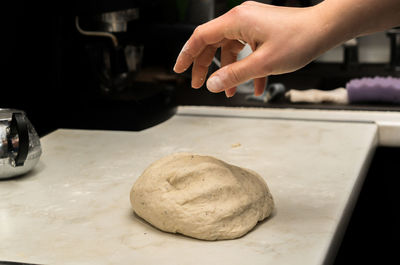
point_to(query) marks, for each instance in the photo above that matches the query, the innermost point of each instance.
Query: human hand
(283, 39)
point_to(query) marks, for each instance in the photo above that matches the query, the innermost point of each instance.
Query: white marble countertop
(74, 208)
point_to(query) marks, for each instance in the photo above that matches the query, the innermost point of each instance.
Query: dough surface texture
(201, 197)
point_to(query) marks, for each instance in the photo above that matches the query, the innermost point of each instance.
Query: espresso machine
(114, 57)
(124, 79)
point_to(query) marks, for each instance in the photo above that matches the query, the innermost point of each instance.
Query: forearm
(360, 17)
(341, 20)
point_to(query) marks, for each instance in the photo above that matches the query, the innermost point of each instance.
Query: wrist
(334, 24)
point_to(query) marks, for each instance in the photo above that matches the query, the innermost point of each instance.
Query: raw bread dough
(201, 197)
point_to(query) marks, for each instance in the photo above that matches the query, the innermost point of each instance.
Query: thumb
(232, 75)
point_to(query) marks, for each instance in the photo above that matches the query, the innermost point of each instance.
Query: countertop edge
(388, 122)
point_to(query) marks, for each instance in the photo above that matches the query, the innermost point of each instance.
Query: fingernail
(184, 48)
(179, 70)
(214, 84)
(198, 84)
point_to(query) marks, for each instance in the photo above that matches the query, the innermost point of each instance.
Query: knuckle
(246, 3)
(238, 11)
(198, 30)
(198, 35)
(233, 75)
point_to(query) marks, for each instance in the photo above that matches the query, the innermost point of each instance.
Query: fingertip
(258, 93)
(214, 84)
(183, 61)
(175, 69)
(178, 67)
(196, 84)
(230, 92)
(199, 74)
(259, 86)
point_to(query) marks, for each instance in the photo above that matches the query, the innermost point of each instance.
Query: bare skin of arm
(283, 39)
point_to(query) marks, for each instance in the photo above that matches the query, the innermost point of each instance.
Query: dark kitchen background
(108, 65)
(63, 78)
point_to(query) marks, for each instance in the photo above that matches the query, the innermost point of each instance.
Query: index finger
(210, 33)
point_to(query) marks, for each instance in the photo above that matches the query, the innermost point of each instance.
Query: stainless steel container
(20, 148)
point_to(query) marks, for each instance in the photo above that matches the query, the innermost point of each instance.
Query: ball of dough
(201, 197)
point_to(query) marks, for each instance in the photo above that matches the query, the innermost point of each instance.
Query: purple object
(376, 89)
